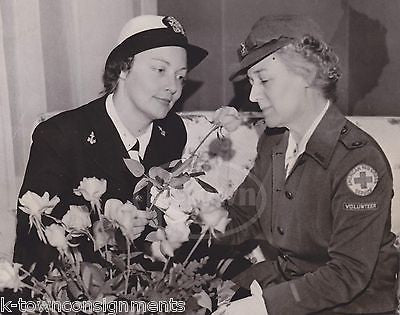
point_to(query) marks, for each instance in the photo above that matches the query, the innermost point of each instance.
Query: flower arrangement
(119, 282)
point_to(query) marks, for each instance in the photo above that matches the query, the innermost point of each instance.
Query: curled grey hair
(322, 66)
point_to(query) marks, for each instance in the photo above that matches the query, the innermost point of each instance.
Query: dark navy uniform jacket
(61, 155)
(327, 225)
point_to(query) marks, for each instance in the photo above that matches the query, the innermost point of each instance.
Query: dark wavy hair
(321, 68)
(112, 70)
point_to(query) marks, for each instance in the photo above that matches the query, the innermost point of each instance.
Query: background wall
(364, 33)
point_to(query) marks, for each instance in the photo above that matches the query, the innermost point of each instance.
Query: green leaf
(74, 289)
(141, 184)
(196, 174)
(181, 168)
(115, 281)
(92, 277)
(135, 167)
(118, 262)
(161, 175)
(203, 300)
(226, 290)
(174, 163)
(152, 237)
(207, 187)
(178, 182)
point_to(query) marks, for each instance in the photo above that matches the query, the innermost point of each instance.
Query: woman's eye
(159, 69)
(181, 78)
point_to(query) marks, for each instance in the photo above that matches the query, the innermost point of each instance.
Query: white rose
(180, 199)
(92, 189)
(227, 117)
(167, 248)
(215, 218)
(34, 205)
(163, 200)
(169, 239)
(77, 218)
(127, 217)
(173, 215)
(201, 198)
(156, 252)
(9, 276)
(177, 233)
(55, 234)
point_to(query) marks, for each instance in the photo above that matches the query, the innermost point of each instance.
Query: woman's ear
(123, 74)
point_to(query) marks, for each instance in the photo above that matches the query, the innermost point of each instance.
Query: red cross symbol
(363, 180)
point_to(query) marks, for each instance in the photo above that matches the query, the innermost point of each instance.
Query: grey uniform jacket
(327, 224)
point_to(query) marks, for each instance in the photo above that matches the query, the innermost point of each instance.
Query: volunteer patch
(362, 180)
(360, 206)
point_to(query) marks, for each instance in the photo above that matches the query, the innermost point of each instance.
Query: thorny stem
(204, 139)
(194, 248)
(128, 265)
(154, 202)
(27, 273)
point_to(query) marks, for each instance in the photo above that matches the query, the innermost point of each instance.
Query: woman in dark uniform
(143, 78)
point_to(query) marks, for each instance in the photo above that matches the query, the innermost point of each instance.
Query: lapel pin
(162, 131)
(91, 139)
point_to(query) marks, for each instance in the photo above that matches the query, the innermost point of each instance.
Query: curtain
(52, 54)
(7, 166)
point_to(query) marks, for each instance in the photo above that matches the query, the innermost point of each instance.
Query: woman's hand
(254, 304)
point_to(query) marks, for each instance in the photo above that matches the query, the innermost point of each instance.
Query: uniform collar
(127, 138)
(301, 146)
(325, 136)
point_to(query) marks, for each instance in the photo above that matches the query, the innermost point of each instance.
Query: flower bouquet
(129, 279)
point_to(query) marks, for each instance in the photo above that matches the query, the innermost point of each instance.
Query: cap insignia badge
(243, 50)
(174, 24)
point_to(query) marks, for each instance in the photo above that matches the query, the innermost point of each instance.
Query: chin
(270, 123)
(160, 114)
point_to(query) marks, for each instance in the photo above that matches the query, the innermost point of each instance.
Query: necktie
(134, 152)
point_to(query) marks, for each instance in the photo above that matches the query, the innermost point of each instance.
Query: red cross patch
(362, 180)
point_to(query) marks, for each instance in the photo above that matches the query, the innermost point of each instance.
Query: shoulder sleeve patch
(362, 180)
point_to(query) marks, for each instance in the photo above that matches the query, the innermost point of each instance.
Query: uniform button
(356, 143)
(289, 195)
(280, 230)
(344, 130)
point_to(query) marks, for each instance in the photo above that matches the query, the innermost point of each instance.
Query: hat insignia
(174, 24)
(243, 50)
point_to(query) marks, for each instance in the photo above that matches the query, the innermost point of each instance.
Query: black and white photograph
(211, 157)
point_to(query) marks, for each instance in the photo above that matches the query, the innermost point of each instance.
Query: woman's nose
(172, 85)
(254, 93)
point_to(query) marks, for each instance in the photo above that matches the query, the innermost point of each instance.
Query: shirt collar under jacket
(127, 138)
(294, 150)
